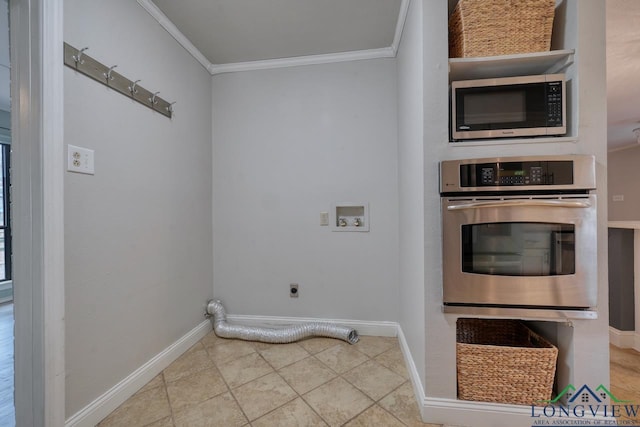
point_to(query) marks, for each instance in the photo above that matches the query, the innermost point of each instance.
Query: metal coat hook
(83, 63)
(153, 99)
(78, 57)
(107, 75)
(132, 88)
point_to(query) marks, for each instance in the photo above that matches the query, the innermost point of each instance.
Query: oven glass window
(519, 249)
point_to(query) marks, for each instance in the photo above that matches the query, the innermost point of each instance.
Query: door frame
(36, 41)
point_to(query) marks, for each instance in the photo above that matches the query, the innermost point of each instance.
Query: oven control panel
(516, 174)
(575, 172)
(491, 175)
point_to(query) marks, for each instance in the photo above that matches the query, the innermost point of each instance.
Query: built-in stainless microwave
(509, 107)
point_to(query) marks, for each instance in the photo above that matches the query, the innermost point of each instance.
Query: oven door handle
(521, 203)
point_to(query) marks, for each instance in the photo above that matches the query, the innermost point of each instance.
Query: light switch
(324, 218)
(618, 197)
(80, 160)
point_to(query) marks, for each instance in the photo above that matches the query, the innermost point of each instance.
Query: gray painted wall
(624, 175)
(138, 239)
(621, 294)
(287, 144)
(411, 152)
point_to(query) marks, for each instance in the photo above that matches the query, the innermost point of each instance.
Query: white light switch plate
(324, 218)
(80, 160)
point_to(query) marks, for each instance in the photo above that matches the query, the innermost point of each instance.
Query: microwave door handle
(521, 203)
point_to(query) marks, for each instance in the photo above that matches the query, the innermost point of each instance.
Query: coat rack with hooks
(78, 60)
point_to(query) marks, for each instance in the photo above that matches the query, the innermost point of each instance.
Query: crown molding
(402, 18)
(386, 52)
(166, 23)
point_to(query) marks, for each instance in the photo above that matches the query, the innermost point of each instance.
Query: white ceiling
(623, 72)
(237, 31)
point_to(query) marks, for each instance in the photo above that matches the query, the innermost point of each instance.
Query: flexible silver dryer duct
(275, 335)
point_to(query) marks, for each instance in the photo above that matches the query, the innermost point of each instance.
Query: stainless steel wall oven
(519, 233)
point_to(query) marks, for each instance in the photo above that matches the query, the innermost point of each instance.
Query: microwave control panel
(536, 173)
(554, 103)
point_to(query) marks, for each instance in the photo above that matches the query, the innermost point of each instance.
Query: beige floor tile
(307, 374)
(259, 346)
(219, 411)
(263, 395)
(282, 355)
(194, 360)
(373, 346)
(165, 422)
(337, 401)
(211, 339)
(294, 414)
(341, 358)
(196, 388)
(373, 379)
(225, 350)
(245, 369)
(394, 360)
(141, 409)
(157, 381)
(401, 403)
(316, 345)
(374, 416)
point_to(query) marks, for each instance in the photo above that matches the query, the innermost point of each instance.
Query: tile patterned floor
(314, 382)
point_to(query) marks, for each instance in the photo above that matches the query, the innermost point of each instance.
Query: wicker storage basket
(500, 27)
(503, 361)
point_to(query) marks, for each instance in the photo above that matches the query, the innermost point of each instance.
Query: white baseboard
(97, 410)
(624, 339)
(416, 381)
(484, 414)
(363, 327)
(476, 414)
